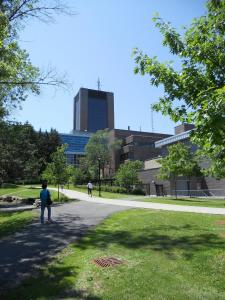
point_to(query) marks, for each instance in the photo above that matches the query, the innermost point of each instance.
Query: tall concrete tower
(93, 110)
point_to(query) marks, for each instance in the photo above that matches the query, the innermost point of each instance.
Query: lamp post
(99, 176)
(153, 182)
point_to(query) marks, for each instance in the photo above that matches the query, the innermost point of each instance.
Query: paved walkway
(138, 204)
(22, 253)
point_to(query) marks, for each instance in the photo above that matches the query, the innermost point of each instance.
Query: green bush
(8, 185)
(106, 188)
(84, 186)
(115, 189)
(138, 191)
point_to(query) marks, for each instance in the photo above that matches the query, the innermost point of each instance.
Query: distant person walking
(90, 188)
(46, 202)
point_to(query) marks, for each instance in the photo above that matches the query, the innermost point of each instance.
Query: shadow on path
(22, 254)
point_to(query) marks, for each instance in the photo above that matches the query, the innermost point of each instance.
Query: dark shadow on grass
(157, 240)
(24, 252)
(11, 225)
(53, 285)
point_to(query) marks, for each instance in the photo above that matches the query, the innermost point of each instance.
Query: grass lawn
(13, 221)
(167, 200)
(11, 190)
(166, 255)
(187, 201)
(108, 195)
(28, 192)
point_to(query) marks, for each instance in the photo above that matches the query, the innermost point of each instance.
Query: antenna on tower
(152, 120)
(99, 84)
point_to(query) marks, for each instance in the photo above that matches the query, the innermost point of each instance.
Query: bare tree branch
(39, 10)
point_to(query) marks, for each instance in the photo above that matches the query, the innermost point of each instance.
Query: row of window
(73, 159)
(75, 143)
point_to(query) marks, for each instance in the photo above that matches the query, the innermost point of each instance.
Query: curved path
(22, 253)
(138, 204)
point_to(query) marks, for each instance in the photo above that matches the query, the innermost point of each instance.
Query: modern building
(76, 143)
(93, 110)
(195, 186)
(136, 145)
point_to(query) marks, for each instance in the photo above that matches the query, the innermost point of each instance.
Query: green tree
(79, 176)
(179, 162)
(18, 76)
(18, 152)
(99, 146)
(47, 143)
(57, 172)
(24, 153)
(71, 173)
(127, 174)
(195, 91)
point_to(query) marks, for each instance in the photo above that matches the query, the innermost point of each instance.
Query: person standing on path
(46, 202)
(90, 188)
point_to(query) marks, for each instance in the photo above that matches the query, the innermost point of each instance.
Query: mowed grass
(107, 195)
(10, 191)
(11, 222)
(208, 202)
(29, 192)
(186, 201)
(166, 255)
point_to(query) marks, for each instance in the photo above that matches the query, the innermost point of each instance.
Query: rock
(8, 199)
(28, 201)
(37, 203)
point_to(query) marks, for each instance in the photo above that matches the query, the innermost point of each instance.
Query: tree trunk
(58, 192)
(188, 185)
(175, 185)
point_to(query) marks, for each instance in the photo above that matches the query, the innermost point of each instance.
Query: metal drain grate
(105, 262)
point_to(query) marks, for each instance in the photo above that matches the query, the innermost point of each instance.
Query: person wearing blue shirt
(44, 196)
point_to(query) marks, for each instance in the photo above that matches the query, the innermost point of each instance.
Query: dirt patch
(220, 222)
(222, 235)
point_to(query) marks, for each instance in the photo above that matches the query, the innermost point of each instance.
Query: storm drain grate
(105, 262)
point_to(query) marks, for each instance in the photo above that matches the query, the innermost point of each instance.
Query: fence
(200, 193)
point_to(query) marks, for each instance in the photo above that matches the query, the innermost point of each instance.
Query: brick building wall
(136, 145)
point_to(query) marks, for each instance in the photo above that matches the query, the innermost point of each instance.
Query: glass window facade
(76, 143)
(97, 114)
(73, 159)
(76, 146)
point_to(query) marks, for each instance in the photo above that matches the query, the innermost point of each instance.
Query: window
(97, 114)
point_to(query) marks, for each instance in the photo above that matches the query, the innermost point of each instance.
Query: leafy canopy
(127, 174)
(100, 146)
(195, 93)
(18, 76)
(24, 152)
(56, 171)
(179, 162)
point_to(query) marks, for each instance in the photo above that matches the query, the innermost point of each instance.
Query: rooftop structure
(173, 139)
(93, 110)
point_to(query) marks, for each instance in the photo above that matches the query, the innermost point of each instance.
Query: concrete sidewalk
(138, 204)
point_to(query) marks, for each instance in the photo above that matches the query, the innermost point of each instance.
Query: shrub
(138, 191)
(113, 189)
(8, 185)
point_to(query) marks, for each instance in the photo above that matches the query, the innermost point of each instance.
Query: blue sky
(98, 42)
